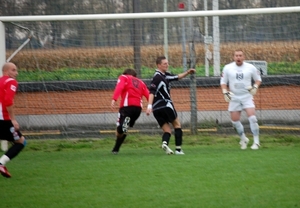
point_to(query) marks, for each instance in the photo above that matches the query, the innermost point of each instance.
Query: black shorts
(165, 115)
(7, 130)
(133, 112)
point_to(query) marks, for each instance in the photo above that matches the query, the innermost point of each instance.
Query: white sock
(4, 159)
(239, 129)
(243, 137)
(178, 148)
(256, 139)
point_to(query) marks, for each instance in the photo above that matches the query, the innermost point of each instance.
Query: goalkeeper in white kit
(239, 75)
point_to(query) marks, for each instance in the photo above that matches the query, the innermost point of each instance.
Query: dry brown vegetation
(288, 51)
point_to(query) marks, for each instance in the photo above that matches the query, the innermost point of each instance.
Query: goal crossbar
(178, 14)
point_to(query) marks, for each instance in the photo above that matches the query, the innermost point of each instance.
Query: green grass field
(213, 173)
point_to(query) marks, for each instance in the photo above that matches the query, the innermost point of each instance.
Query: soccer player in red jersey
(131, 89)
(9, 127)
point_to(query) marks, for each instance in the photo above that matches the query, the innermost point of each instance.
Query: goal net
(68, 69)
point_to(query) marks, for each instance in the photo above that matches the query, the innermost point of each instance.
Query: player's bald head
(10, 69)
(8, 66)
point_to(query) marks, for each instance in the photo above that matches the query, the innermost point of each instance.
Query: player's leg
(166, 138)
(250, 110)
(14, 150)
(162, 121)
(126, 118)
(120, 133)
(172, 117)
(7, 130)
(120, 137)
(235, 114)
(238, 126)
(178, 136)
(254, 127)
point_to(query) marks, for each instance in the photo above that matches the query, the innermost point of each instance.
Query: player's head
(129, 71)
(162, 63)
(238, 57)
(10, 69)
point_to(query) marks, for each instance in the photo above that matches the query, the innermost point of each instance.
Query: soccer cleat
(244, 143)
(126, 124)
(255, 146)
(167, 149)
(179, 152)
(114, 152)
(4, 171)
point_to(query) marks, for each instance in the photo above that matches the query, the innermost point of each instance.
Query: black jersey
(160, 88)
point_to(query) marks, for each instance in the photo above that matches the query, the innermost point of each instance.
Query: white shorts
(240, 104)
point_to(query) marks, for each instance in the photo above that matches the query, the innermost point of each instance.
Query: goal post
(2, 46)
(229, 12)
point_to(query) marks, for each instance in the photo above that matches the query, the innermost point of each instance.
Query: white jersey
(240, 77)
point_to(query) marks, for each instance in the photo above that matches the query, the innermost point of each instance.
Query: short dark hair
(159, 59)
(130, 71)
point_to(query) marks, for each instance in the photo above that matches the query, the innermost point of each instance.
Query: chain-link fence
(68, 69)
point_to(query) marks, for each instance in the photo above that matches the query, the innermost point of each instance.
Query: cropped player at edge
(239, 76)
(131, 89)
(9, 127)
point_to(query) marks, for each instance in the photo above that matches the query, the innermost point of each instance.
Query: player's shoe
(179, 152)
(4, 171)
(244, 143)
(255, 146)
(126, 124)
(114, 152)
(167, 149)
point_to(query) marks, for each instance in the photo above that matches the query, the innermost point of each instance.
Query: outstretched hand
(191, 71)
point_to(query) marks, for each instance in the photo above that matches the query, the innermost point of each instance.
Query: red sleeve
(119, 87)
(11, 89)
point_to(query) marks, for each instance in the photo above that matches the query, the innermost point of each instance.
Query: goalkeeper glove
(227, 95)
(253, 89)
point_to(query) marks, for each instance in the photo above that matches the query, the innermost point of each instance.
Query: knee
(120, 130)
(176, 124)
(252, 119)
(22, 140)
(236, 123)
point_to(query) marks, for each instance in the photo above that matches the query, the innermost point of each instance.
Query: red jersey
(8, 89)
(131, 90)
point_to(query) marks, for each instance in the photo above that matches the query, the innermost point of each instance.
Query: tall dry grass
(116, 57)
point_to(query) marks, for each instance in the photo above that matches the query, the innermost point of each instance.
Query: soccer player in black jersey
(160, 103)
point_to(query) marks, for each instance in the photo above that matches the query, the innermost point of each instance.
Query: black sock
(178, 137)
(119, 142)
(14, 150)
(166, 137)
